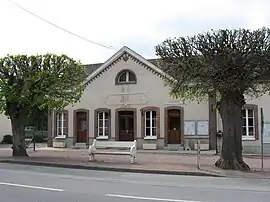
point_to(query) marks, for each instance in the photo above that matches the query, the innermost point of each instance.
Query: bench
(101, 147)
(186, 145)
(203, 147)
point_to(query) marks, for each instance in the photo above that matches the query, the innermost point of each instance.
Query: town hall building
(126, 99)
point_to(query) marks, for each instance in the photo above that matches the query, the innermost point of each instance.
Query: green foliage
(32, 84)
(38, 119)
(223, 62)
(7, 139)
(39, 138)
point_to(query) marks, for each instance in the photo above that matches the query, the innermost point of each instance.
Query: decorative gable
(124, 54)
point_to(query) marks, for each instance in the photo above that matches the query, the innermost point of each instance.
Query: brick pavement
(145, 160)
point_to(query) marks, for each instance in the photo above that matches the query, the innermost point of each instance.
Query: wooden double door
(174, 127)
(126, 125)
(81, 127)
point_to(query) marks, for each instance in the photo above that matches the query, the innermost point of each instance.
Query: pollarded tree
(229, 64)
(29, 84)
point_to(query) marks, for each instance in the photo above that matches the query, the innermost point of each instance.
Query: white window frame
(60, 119)
(151, 126)
(247, 136)
(103, 124)
(127, 77)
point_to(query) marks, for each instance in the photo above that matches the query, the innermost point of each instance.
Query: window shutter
(66, 128)
(109, 122)
(96, 123)
(256, 122)
(55, 113)
(143, 122)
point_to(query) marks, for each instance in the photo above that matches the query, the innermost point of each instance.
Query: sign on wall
(266, 133)
(196, 127)
(202, 128)
(126, 99)
(190, 128)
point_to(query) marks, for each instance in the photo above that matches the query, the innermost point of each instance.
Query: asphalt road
(44, 184)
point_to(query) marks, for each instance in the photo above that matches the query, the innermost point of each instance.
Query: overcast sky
(139, 24)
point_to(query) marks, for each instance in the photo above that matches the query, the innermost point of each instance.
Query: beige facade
(252, 126)
(132, 105)
(126, 99)
(5, 126)
(115, 111)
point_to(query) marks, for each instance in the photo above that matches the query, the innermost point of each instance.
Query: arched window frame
(128, 74)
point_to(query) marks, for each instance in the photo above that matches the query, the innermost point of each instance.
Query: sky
(140, 24)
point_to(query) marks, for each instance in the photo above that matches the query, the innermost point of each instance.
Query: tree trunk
(18, 133)
(231, 153)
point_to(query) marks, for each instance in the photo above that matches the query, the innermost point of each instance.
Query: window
(248, 127)
(126, 77)
(61, 124)
(103, 123)
(150, 123)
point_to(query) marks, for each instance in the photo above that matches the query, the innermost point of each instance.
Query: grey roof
(92, 67)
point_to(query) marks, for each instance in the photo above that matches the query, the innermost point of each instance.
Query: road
(44, 184)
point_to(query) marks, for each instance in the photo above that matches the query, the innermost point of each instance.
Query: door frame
(75, 125)
(117, 132)
(182, 122)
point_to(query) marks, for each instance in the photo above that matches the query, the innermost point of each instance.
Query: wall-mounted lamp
(142, 112)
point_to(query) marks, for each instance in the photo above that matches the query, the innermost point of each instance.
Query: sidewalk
(146, 162)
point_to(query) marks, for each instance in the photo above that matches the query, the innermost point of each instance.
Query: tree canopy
(221, 61)
(228, 64)
(32, 84)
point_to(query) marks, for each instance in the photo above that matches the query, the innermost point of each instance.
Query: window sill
(125, 83)
(150, 137)
(102, 137)
(249, 138)
(60, 137)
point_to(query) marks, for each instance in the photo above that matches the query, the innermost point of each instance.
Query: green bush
(39, 139)
(7, 139)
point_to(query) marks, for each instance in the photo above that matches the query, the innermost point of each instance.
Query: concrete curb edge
(115, 169)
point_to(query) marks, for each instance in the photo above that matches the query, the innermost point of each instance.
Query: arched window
(126, 77)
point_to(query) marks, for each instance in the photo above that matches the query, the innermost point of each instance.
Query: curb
(175, 153)
(114, 169)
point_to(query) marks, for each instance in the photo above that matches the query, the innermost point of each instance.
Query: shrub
(39, 138)
(7, 139)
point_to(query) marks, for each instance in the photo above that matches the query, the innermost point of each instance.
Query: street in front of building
(44, 184)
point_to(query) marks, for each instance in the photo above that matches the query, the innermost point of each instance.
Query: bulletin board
(202, 128)
(266, 132)
(196, 127)
(190, 127)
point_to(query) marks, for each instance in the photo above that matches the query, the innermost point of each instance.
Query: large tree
(31, 84)
(229, 64)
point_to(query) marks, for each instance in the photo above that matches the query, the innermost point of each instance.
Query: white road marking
(150, 198)
(31, 187)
